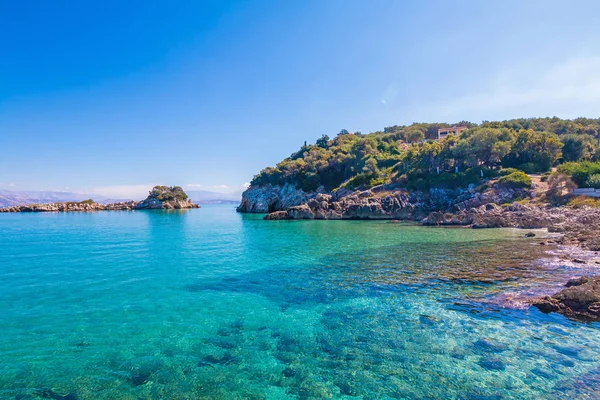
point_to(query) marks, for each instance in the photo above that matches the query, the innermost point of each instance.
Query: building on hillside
(455, 130)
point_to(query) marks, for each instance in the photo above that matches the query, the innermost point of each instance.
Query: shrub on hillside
(545, 176)
(593, 181)
(583, 201)
(580, 172)
(516, 180)
(532, 168)
(507, 171)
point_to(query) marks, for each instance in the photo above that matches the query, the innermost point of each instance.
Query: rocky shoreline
(580, 300)
(90, 207)
(492, 208)
(153, 202)
(381, 202)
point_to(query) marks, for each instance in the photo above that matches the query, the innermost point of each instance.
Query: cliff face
(266, 199)
(381, 202)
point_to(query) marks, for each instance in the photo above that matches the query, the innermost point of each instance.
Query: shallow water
(212, 304)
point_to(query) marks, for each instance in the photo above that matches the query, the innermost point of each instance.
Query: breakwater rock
(580, 300)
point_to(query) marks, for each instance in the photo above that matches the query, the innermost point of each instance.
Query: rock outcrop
(580, 300)
(161, 197)
(266, 199)
(380, 202)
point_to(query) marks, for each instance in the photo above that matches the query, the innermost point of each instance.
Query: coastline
(95, 207)
(574, 255)
(160, 197)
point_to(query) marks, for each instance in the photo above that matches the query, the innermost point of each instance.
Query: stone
(269, 198)
(580, 300)
(277, 215)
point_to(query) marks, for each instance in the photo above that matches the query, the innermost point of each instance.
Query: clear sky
(114, 96)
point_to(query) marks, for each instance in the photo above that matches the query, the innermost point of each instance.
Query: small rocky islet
(159, 198)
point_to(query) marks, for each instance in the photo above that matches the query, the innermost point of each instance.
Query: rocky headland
(160, 197)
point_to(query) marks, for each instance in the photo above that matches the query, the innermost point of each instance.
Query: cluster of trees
(166, 193)
(411, 155)
(583, 174)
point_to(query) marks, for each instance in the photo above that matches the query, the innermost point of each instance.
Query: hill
(413, 157)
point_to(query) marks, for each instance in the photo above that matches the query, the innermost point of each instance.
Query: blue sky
(114, 96)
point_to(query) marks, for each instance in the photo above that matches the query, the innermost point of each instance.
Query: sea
(214, 304)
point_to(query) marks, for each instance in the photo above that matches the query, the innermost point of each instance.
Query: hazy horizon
(132, 193)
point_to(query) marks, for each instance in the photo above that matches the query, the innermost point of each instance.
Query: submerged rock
(492, 363)
(580, 300)
(52, 394)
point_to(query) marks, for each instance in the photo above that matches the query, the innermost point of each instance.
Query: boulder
(270, 198)
(277, 215)
(300, 212)
(580, 300)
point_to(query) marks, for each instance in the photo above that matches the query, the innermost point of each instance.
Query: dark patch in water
(388, 271)
(582, 386)
(51, 394)
(493, 364)
(222, 343)
(489, 345)
(428, 320)
(211, 360)
(140, 375)
(139, 378)
(569, 351)
(542, 373)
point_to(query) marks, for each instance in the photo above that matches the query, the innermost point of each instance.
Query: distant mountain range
(9, 198)
(207, 197)
(15, 198)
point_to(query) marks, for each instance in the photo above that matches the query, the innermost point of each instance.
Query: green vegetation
(412, 156)
(516, 180)
(580, 172)
(166, 193)
(72, 203)
(578, 147)
(583, 201)
(593, 181)
(507, 171)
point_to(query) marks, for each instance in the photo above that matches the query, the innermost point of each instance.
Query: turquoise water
(213, 304)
